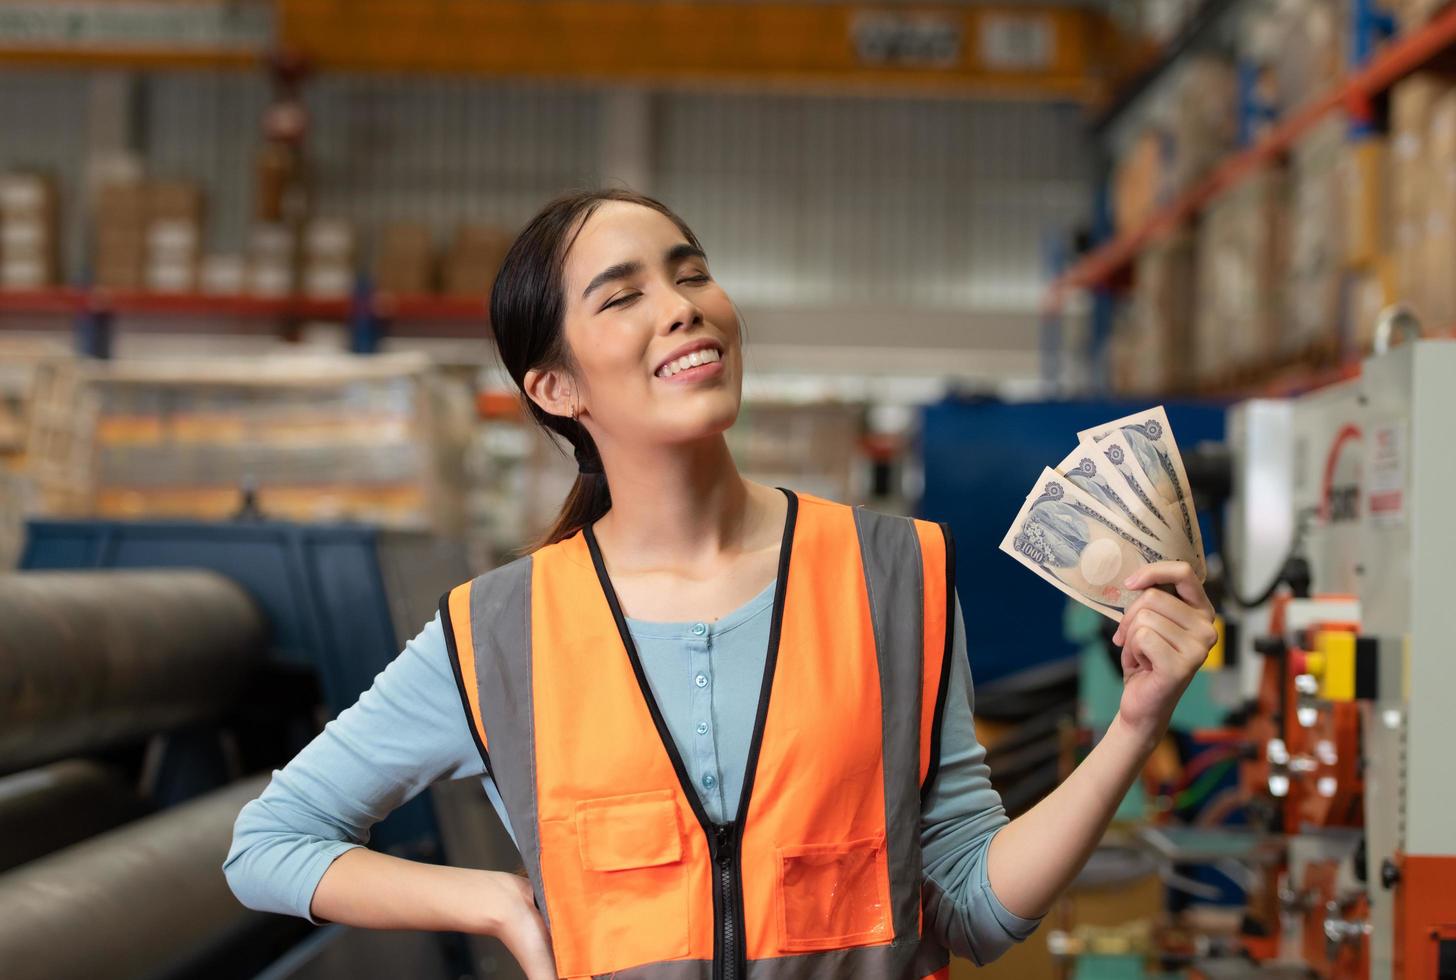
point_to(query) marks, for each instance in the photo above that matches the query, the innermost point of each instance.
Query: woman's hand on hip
(1165, 636)
(513, 919)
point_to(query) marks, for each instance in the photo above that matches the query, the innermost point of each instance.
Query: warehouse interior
(253, 424)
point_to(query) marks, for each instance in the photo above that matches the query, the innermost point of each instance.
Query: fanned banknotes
(1068, 538)
(1119, 502)
(1149, 438)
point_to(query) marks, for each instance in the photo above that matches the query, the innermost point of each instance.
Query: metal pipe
(94, 658)
(132, 902)
(43, 810)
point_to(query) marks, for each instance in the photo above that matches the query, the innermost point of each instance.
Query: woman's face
(638, 299)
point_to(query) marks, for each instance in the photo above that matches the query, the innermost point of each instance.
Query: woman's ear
(552, 391)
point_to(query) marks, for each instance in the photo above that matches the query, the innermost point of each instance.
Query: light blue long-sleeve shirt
(410, 730)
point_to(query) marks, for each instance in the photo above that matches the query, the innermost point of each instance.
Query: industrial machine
(1340, 552)
(151, 674)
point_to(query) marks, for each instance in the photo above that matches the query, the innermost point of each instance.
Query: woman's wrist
(1139, 737)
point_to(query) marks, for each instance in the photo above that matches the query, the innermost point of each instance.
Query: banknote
(1089, 467)
(1149, 439)
(1069, 539)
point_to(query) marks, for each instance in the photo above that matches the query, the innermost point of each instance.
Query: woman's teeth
(705, 356)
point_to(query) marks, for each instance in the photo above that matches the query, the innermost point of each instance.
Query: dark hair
(527, 309)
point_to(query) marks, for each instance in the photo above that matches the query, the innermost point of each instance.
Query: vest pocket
(833, 895)
(621, 833)
(619, 892)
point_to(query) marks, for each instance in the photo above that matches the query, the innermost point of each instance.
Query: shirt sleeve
(961, 815)
(404, 733)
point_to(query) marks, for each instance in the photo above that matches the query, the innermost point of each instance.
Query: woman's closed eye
(628, 297)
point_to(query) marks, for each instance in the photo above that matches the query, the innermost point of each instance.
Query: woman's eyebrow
(623, 270)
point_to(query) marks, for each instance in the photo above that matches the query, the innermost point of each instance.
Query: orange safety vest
(819, 875)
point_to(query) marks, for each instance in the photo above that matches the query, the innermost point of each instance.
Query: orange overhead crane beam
(945, 48)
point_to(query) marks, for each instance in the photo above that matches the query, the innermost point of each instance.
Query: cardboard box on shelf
(1138, 183)
(1204, 123)
(269, 280)
(121, 204)
(27, 195)
(1411, 102)
(180, 200)
(1163, 316)
(26, 273)
(1437, 259)
(475, 256)
(171, 277)
(29, 234)
(270, 262)
(1316, 242)
(1411, 14)
(330, 280)
(1367, 210)
(1311, 49)
(1241, 248)
(329, 240)
(404, 260)
(222, 275)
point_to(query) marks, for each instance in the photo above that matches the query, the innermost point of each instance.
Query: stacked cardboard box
(404, 260)
(1139, 184)
(1311, 49)
(329, 247)
(121, 219)
(1241, 243)
(1438, 260)
(1157, 341)
(28, 232)
(174, 236)
(1412, 102)
(1316, 244)
(1411, 14)
(475, 256)
(1204, 124)
(223, 275)
(270, 263)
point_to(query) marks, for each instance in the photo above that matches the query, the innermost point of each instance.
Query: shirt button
(699, 629)
(702, 728)
(710, 780)
(701, 680)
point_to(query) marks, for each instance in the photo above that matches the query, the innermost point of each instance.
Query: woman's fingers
(1153, 641)
(1178, 574)
(1187, 595)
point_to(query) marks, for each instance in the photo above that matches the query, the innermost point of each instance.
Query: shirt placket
(705, 733)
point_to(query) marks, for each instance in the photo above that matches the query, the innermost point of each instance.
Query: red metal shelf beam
(68, 302)
(1104, 264)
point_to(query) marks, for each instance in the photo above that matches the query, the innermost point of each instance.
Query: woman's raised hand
(1165, 635)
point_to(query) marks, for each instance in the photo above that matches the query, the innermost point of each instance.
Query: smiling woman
(606, 316)
(728, 725)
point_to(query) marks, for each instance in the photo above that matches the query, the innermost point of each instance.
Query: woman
(729, 726)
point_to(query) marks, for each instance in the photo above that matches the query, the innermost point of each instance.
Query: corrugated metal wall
(801, 201)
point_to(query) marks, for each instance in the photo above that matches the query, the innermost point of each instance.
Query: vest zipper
(730, 954)
(729, 958)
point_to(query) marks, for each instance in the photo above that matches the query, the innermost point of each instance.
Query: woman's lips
(700, 373)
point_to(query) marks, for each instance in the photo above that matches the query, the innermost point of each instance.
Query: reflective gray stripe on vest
(500, 625)
(890, 550)
(901, 961)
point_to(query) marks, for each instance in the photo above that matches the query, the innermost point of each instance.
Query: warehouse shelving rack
(1107, 268)
(371, 315)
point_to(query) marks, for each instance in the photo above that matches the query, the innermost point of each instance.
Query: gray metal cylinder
(93, 658)
(43, 810)
(129, 903)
